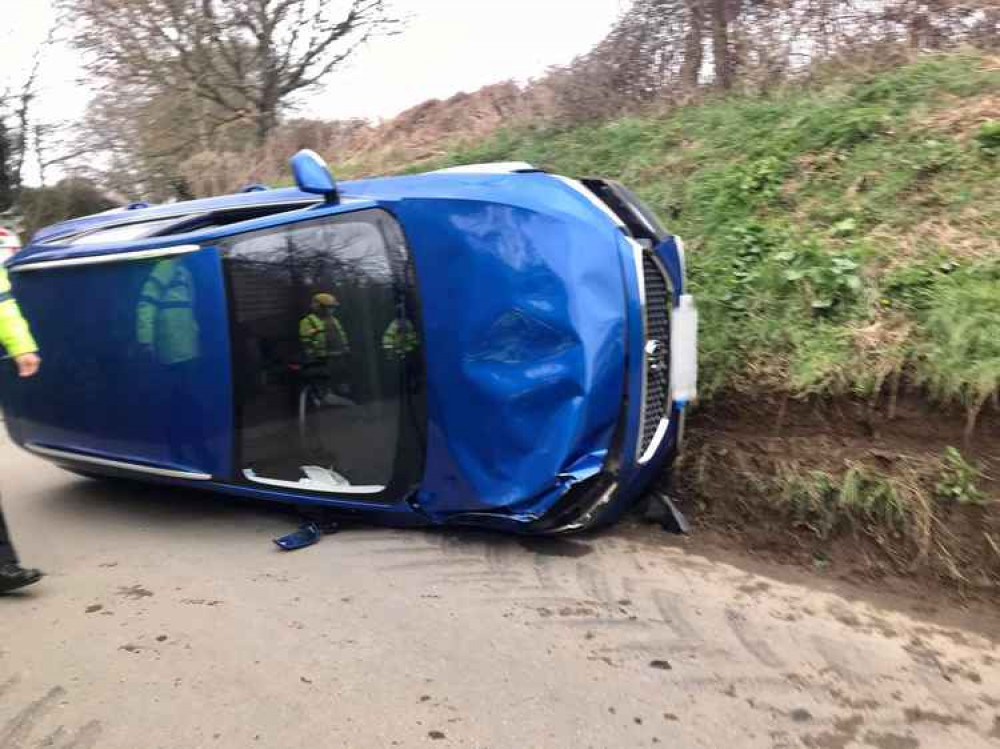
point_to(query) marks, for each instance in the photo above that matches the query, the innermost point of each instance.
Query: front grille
(656, 398)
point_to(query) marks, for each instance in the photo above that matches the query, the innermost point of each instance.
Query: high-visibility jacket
(400, 338)
(164, 317)
(321, 337)
(14, 332)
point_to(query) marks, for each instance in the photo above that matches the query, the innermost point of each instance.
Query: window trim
(121, 257)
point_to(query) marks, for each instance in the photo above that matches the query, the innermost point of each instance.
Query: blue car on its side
(489, 345)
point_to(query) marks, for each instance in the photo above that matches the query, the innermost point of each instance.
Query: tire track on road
(757, 647)
(19, 728)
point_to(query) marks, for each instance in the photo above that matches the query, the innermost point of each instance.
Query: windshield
(326, 351)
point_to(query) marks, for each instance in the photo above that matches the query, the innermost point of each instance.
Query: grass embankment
(844, 246)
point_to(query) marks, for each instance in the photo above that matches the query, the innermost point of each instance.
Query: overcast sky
(448, 46)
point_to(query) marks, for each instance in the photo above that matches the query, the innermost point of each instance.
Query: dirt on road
(170, 620)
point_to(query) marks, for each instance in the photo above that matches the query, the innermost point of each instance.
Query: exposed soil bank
(767, 477)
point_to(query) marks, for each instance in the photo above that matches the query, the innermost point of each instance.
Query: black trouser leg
(7, 553)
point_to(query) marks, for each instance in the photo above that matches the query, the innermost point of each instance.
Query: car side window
(323, 335)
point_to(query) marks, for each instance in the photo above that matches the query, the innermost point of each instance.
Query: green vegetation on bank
(841, 235)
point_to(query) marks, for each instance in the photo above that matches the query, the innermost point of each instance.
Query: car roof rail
(498, 167)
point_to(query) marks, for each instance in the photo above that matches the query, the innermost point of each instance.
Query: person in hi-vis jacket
(168, 334)
(15, 336)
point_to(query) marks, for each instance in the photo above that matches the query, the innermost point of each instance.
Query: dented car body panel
(520, 399)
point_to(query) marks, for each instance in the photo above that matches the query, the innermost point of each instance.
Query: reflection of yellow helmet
(325, 300)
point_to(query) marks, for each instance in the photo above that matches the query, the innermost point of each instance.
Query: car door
(135, 359)
(326, 355)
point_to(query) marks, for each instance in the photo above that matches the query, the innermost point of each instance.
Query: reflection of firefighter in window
(399, 339)
(166, 329)
(320, 331)
(165, 324)
(325, 348)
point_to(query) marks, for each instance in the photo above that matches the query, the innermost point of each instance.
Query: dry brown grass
(882, 346)
(965, 237)
(962, 118)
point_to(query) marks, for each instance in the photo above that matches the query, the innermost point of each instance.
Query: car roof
(430, 184)
(515, 185)
(142, 212)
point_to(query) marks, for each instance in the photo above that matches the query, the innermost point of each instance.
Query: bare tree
(662, 49)
(6, 182)
(721, 58)
(16, 107)
(243, 59)
(694, 43)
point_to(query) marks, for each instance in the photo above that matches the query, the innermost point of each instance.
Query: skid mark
(502, 554)
(847, 663)
(19, 728)
(390, 550)
(532, 601)
(672, 648)
(594, 583)
(791, 689)
(56, 736)
(483, 578)
(678, 568)
(387, 541)
(422, 564)
(594, 623)
(509, 575)
(757, 647)
(86, 738)
(545, 571)
(834, 659)
(6, 686)
(673, 616)
(454, 543)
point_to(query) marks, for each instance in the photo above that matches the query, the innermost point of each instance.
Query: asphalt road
(170, 620)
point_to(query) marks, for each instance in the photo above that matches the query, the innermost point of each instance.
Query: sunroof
(125, 233)
(173, 225)
(234, 216)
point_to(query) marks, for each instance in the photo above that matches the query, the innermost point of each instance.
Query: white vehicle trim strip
(120, 257)
(126, 465)
(579, 187)
(493, 167)
(305, 484)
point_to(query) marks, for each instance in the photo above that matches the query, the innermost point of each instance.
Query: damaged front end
(550, 400)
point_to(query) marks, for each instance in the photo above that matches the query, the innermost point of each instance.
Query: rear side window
(326, 351)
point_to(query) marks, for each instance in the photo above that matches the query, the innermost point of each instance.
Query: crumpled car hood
(524, 319)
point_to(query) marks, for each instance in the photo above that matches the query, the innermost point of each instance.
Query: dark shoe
(14, 576)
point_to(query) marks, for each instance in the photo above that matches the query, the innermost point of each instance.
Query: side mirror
(313, 176)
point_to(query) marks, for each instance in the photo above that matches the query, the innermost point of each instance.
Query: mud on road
(169, 620)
